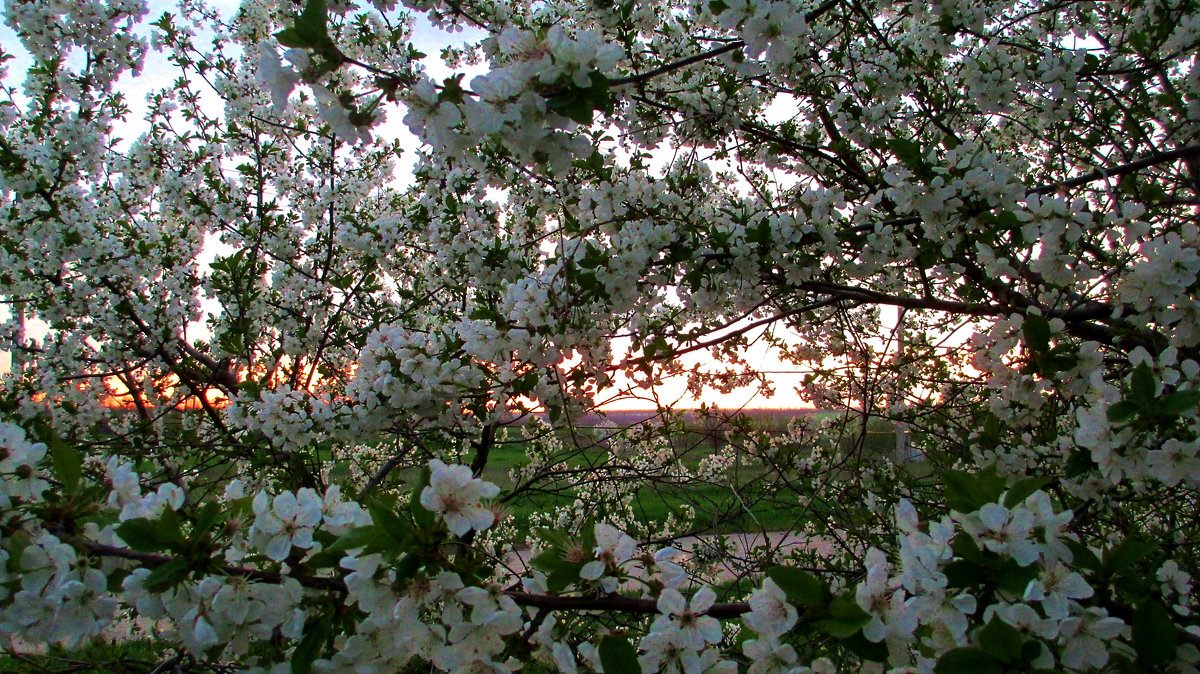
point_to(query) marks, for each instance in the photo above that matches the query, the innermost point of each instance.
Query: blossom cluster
(238, 332)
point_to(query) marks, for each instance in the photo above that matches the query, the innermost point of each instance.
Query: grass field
(718, 509)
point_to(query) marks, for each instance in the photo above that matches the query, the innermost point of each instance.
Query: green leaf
(422, 516)
(290, 37)
(167, 575)
(206, 517)
(909, 153)
(452, 91)
(68, 463)
(563, 576)
(845, 619)
(115, 582)
(369, 539)
(967, 493)
(1179, 402)
(1037, 333)
(315, 635)
(1123, 410)
(547, 560)
(964, 546)
(560, 572)
(801, 587)
(358, 537)
(573, 106)
(1014, 578)
(1083, 556)
(407, 568)
(618, 655)
(990, 434)
(146, 535)
(389, 523)
(311, 25)
(1079, 463)
(962, 574)
(1142, 384)
(578, 103)
(598, 95)
(967, 661)
(866, 649)
(593, 257)
(1125, 554)
(1154, 633)
(1001, 641)
(1031, 651)
(1023, 489)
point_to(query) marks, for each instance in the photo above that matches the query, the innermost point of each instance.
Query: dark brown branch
(615, 603)
(381, 474)
(313, 582)
(540, 601)
(483, 449)
(812, 15)
(676, 65)
(1184, 152)
(722, 338)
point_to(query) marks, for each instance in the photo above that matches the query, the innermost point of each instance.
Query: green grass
(98, 657)
(717, 509)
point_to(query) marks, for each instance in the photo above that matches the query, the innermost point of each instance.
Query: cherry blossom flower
(1003, 531)
(285, 522)
(685, 620)
(455, 495)
(1057, 585)
(770, 613)
(1086, 637)
(276, 78)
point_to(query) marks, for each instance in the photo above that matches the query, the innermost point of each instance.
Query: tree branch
(676, 65)
(812, 15)
(540, 601)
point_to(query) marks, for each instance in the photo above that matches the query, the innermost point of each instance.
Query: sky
(428, 40)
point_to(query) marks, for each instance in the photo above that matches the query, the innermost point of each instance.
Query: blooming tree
(274, 375)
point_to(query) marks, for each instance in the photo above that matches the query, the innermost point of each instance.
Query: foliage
(274, 374)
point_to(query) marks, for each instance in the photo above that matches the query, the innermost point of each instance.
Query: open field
(707, 506)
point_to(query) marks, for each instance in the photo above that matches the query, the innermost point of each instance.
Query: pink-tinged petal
(262, 503)
(670, 602)
(1107, 628)
(906, 516)
(205, 634)
(592, 570)
(993, 516)
(864, 597)
(285, 505)
(481, 518)
(429, 499)
(874, 630)
(473, 595)
(457, 524)
(279, 547)
(703, 600)
(303, 539)
(710, 629)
